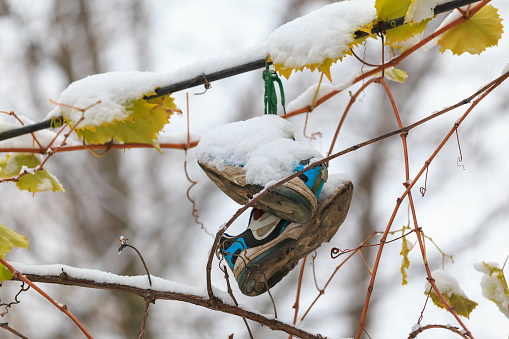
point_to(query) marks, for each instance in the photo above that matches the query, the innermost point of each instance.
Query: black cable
(26, 129)
(205, 79)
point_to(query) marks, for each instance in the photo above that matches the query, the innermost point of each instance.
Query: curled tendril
(336, 252)
(56, 122)
(16, 301)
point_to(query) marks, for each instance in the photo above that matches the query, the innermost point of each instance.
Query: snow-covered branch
(161, 290)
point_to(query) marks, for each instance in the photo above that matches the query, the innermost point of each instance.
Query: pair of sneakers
(284, 226)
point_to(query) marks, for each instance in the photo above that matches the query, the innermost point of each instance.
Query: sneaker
(263, 227)
(293, 201)
(271, 247)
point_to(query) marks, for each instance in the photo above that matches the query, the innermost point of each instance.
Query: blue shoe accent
(232, 246)
(313, 178)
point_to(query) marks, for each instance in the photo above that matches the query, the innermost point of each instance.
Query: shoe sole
(260, 268)
(294, 201)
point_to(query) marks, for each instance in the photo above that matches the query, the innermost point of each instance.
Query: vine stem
(322, 291)
(297, 298)
(415, 333)
(485, 91)
(347, 109)
(6, 327)
(97, 147)
(19, 276)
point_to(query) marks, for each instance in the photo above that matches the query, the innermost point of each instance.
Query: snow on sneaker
(243, 157)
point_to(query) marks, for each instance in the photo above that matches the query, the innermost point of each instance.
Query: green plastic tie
(270, 77)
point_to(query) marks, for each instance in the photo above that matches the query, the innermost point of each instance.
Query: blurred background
(141, 194)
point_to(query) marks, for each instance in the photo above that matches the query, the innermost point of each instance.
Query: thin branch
(215, 304)
(144, 319)
(297, 298)
(103, 147)
(230, 292)
(322, 291)
(123, 242)
(347, 109)
(421, 329)
(6, 327)
(19, 276)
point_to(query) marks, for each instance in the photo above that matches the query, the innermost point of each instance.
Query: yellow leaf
(405, 32)
(393, 9)
(484, 29)
(452, 293)
(146, 118)
(405, 262)
(420, 10)
(36, 180)
(462, 305)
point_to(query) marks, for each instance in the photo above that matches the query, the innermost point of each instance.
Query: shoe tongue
(257, 213)
(262, 223)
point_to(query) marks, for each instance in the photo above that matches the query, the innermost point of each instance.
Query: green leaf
(452, 293)
(8, 240)
(146, 118)
(484, 29)
(36, 180)
(395, 74)
(5, 274)
(494, 286)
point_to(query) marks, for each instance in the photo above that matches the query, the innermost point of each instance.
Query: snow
(11, 166)
(114, 89)
(23, 168)
(422, 10)
(45, 185)
(109, 93)
(323, 34)
(100, 277)
(305, 99)
(334, 181)
(262, 145)
(450, 18)
(506, 69)
(415, 327)
(447, 285)
(493, 287)
(178, 137)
